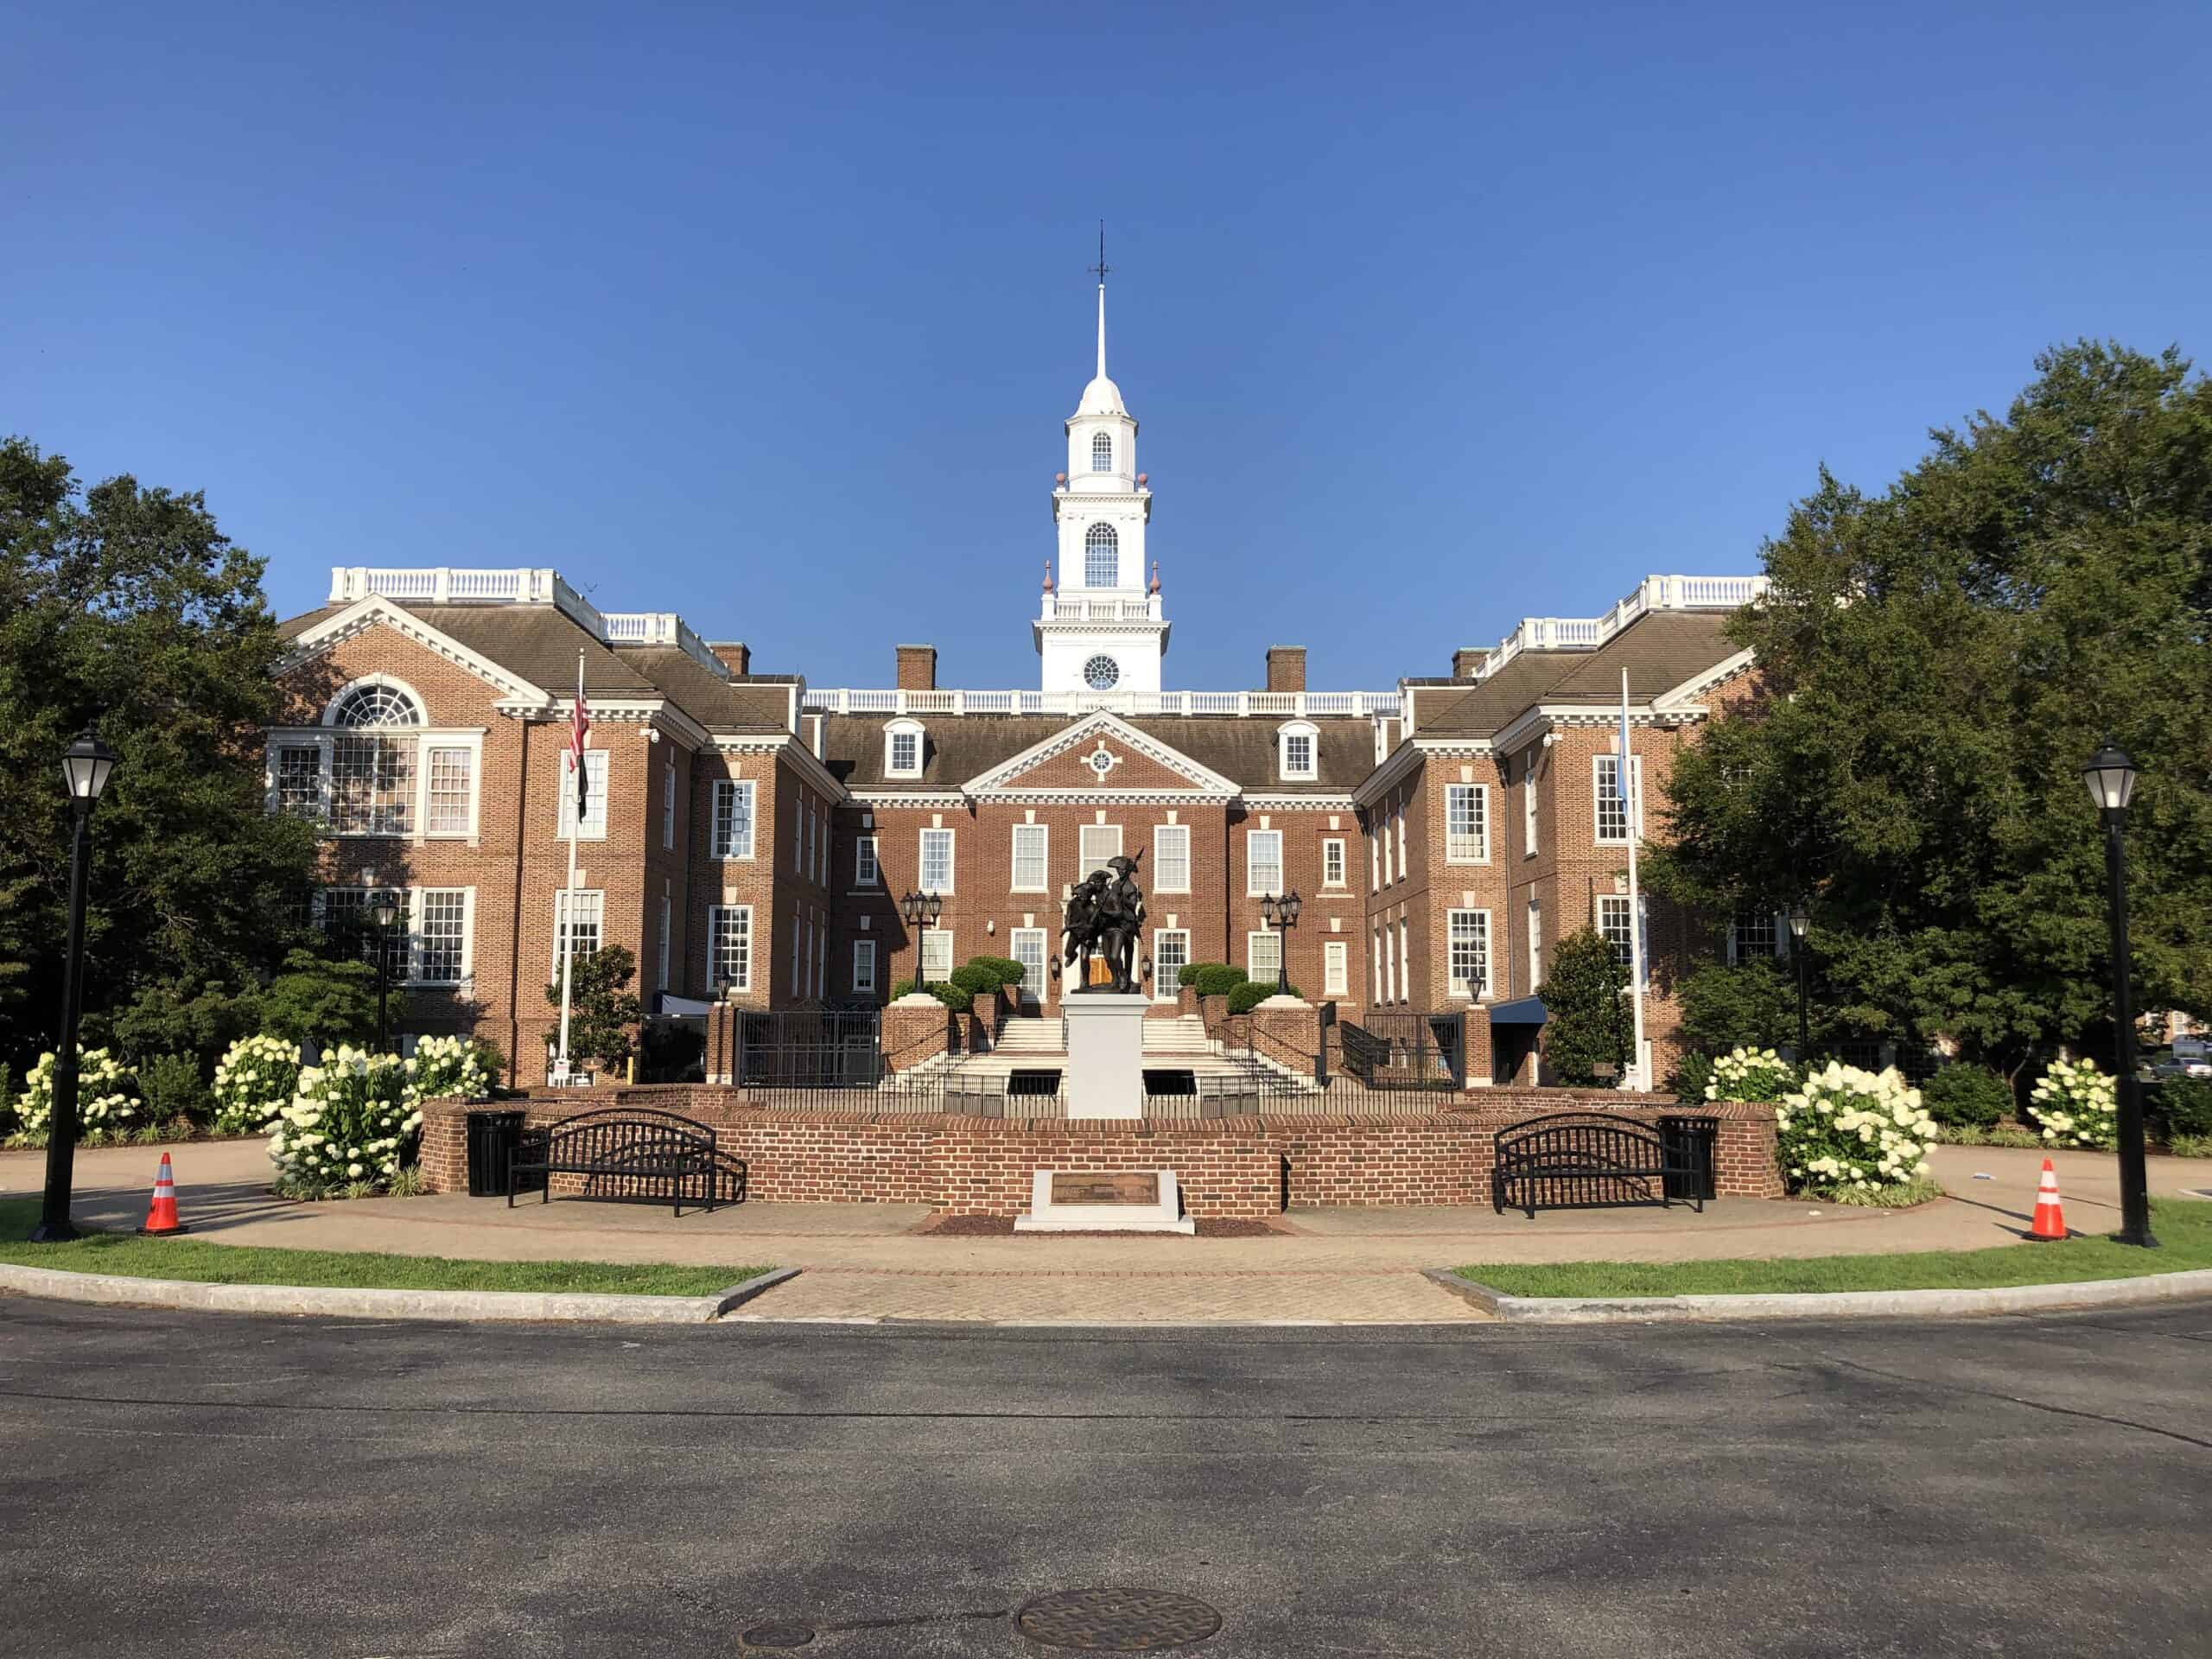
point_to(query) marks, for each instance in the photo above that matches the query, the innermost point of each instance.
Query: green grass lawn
(252, 1264)
(2183, 1227)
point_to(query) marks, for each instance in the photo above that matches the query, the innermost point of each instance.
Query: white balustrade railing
(1652, 594)
(1277, 704)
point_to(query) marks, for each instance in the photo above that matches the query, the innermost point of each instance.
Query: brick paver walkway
(870, 1261)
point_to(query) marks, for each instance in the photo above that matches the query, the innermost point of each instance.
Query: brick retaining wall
(1238, 1166)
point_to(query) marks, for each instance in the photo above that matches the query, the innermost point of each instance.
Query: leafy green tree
(1749, 1004)
(603, 1012)
(1937, 663)
(1588, 1022)
(126, 609)
(321, 1001)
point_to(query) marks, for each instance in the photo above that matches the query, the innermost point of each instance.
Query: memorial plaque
(1132, 1187)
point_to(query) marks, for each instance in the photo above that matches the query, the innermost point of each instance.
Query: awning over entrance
(669, 1007)
(1525, 1011)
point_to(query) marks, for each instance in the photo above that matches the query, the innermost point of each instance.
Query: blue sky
(1434, 317)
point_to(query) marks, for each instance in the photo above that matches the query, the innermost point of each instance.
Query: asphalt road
(179, 1485)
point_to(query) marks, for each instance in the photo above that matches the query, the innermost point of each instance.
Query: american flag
(579, 728)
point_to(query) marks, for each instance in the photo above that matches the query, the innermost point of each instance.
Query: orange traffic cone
(161, 1219)
(2050, 1217)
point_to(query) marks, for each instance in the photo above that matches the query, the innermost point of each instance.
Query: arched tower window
(1102, 558)
(376, 704)
(1101, 452)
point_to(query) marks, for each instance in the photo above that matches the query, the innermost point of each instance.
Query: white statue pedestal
(1105, 1053)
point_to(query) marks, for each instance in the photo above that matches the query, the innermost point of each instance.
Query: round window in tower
(1101, 673)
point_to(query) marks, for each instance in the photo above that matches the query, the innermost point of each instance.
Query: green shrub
(1691, 1074)
(1009, 971)
(1192, 972)
(1746, 1005)
(254, 1081)
(2075, 1105)
(1217, 979)
(904, 987)
(1966, 1096)
(349, 1130)
(2181, 1109)
(107, 1098)
(174, 1091)
(1251, 992)
(959, 998)
(1589, 1024)
(978, 977)
(1753, 1074)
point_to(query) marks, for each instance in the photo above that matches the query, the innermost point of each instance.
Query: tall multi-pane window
(1374, 956)
(732, 835)
(1031, 949)
(1613, 923)
(1400, 816)
(1102, 558)
(1375, 858)
(1170, 954)
(865, 872)
(1469, 944)
(299, 781)
(904, 758)
(1405, 962)
(730, 947)
(1264, 956)
(1335, 968)
(668, 805)
(1389, 963)
(595, 826)
(1031, 858)
(1754, 936)
(1094, 844)
(1536, 942)
(667, 934)
(936, 861)
(372, 785)
(346, 921)
(1170, 858)
(1263, 861)
(1101, 452)
(452, 788)
(441, 944)
(588, 909)
(1529, 807)
(1298, 754)
(1332, 862)
(864, 966)
(1613, 815)
(1466, 823)
(936, 955)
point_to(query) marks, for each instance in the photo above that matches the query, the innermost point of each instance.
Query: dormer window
(902, 749)
(1102, 558)
(1297, 748)
(1101, 452)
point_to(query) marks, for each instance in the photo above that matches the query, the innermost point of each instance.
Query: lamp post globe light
(85, 769)
(1800, 919)
(921, 910)
(1283, 913)
(383, 913)
(2110, 776)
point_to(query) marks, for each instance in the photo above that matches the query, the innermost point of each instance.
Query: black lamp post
(2110, 776)
(85, 768)
(383, 913)
(921, 910)
(1283, 913)
(1800, 919)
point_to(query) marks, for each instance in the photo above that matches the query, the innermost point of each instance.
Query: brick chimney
(1467, 662)
(734, 655)
(917, 668)
(1286, 667)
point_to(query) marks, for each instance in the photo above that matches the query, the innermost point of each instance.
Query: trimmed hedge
(1009, 971)
(977, 978)
(1213, 978)
(1966, 1096)
(1249, 995)
(2182, 1106)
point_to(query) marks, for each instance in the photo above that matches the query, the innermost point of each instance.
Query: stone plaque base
(1132, 1201)
(1105, 1053)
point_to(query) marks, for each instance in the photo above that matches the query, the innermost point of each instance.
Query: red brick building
(749, 838)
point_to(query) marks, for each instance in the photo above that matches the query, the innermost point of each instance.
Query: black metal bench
(643, 1154)
(1576, 1160)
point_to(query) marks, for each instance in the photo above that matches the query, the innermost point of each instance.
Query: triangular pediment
(377, 611)
(1101, 754)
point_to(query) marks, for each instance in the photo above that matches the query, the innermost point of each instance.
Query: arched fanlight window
(376, 704)
(1102, 558)
(1101, 452)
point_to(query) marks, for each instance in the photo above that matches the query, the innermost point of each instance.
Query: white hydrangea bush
(2076, 1105)
(1847, 1131)
(350, 1125)
(1758, 1074)
(107, 1096)
(445, 1068)
(255, 1080)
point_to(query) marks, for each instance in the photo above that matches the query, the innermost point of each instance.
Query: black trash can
(491, 1136)
(1686, 1144)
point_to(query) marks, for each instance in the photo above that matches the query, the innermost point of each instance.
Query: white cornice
(938, 799)
(1393, 769)
(376, 611)
(1204, 780)
(1260, 801)
(788, 745)
(1108, 797)
(1698, 684)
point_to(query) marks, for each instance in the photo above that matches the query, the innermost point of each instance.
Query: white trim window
(432, 941)
(1332, 861)
(867, 873)
(1095, 844)
(1170, 858)
(1529, 807)
(1374, 944)
(730, 947)
(1032, 858)
(1613, 923)
(1335, 968)
(295, 772)
(1170, 954)
(1375, 858)
(343, 915)
(1297, 749)
(937, 862)
(1101, 452)
(594, 826)
(1610, 809)
(731, 835)
(864, 967)
(1031, 947)
(937, 956)
(1400, 817)
(1389, 963)
(590, 911)
(1264, 956)
(372, 785)
(441, 935)
(1468, 944)
(1535, 942)
(449, 789)
(821, 964)
(1405, 961)
(1102, 558)
(667, 939)
(1466, 823)
(1755, 935)
(668, 806)
(1262, 863)
(796, 940)
(904, 743)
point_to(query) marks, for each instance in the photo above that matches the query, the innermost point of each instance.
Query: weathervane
(1102, 267)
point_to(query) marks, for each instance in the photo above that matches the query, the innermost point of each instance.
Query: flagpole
(569, 897)
(1631, 803)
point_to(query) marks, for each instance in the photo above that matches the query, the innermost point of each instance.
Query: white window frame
(1161, 863)
(1477, 922)
(1528, 808)
(1633, 803)
(1610, 905)
(719, 917)
(935, 941)
(733, 790)
(594, 824)
(1254, 887)
(797, 931)
(1166, 983)
(867, 873)
(822, 963)
(325, 740)
(1390, 964)
(864, 967)
(1374, 949)
(1312, 735)
(1777, 951)
(668, 805)
(922, 878)
(1040, 859)
(895, 730)
(1102, 537)
(1535, 942)
(414, 904)
(591, 902)
(1333, 854)
(1405, 961)
(1101, 452)
(667, 935)
(1035, 988)
(1335, 968)
(1401, 816)
(1088, 834)
(1375, 858)
(1467, 847)
(1253, 969)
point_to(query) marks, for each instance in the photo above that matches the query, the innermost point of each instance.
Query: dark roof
(957, 748)
(715, 703)
(539, 643)
(1660, 650)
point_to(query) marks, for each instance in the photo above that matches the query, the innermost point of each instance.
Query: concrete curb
(473, 1306)
(1827, 1304)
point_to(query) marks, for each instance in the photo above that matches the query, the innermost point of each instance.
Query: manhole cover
(1116, 1621)
(777, 1633)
